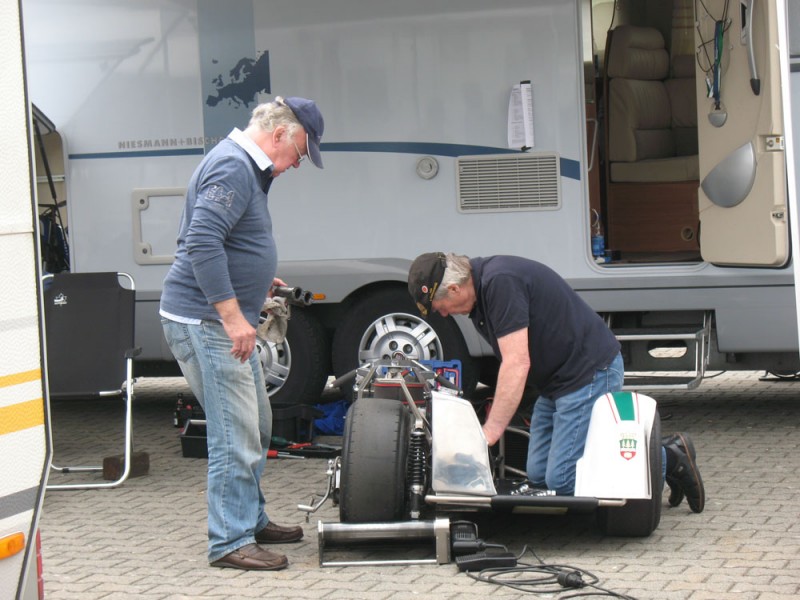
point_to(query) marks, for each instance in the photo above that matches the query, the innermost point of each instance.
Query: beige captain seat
(643, 144)
(651, 162)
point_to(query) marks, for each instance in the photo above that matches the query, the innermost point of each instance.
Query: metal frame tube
(344, 534)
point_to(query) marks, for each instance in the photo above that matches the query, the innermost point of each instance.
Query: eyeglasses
(300, 156)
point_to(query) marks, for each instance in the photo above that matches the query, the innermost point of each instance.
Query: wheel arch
(476, 345)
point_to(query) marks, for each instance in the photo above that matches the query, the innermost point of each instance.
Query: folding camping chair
(89, 333)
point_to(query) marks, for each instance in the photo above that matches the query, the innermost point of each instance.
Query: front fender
(616, 461)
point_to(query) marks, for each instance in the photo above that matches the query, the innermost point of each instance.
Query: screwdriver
(276, 454)
(280, 441)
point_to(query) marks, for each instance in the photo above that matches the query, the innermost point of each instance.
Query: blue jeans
(559, 429)
(239, 429)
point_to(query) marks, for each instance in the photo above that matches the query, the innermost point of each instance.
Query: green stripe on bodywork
(625, 408)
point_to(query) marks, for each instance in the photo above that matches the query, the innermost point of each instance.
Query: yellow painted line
(22, 415)
(23, 377)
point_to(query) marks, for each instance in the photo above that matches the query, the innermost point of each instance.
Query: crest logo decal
(627, 445)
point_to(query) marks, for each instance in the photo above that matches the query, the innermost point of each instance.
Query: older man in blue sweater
(224, 268)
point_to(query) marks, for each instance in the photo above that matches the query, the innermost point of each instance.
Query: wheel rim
(399, 335)
(276, 362)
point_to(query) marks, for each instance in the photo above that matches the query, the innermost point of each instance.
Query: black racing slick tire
(374, 459)
(638, 518)
(385, 324)
(295, 371)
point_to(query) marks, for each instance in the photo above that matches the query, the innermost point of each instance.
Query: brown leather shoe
(252, 557)
(277, 534)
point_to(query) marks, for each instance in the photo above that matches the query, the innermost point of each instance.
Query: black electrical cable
(548, 579)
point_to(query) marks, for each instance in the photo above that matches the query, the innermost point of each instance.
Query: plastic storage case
(193, 439)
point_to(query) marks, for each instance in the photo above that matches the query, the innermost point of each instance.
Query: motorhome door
(742, 196)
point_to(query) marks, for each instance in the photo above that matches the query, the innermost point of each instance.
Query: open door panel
(742, 196)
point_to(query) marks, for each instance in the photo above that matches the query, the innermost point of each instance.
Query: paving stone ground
(147, 538)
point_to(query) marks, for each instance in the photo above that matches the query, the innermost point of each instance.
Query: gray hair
(457, 272)
(269, 115)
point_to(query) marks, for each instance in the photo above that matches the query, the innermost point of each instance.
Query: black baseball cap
(424, 278)
(310, 118)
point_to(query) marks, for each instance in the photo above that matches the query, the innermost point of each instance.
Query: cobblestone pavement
(146, 539)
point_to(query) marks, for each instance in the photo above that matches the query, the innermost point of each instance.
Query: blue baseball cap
(310, 118)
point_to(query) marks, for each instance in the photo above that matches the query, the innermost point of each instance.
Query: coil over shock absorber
(417, 465)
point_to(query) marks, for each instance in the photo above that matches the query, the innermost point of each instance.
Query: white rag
(273, 328)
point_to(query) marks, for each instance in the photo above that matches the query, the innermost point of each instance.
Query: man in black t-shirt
(545, 335)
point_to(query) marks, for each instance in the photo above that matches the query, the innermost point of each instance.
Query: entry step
(697, 342)
(658, 334)
(661, 382)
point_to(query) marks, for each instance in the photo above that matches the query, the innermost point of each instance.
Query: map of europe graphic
(243, 83)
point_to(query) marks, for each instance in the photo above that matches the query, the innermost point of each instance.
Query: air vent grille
(508, 182)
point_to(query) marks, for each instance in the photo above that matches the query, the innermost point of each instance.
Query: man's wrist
(493, 432)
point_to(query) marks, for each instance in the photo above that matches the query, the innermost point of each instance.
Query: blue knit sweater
(225, 244)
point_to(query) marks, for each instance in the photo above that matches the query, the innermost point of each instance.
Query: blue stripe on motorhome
(452, 150)
(570, 169)
(139, 154)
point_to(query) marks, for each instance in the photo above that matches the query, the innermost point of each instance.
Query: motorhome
(641, 148)
(24, 415)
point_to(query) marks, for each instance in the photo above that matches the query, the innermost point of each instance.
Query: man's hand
(242, 334)
(276, 282)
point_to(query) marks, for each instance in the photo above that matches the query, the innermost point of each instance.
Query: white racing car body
(410, 450)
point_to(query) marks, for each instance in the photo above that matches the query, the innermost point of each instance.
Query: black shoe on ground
(676, 494)
(683, 476)
(252, 557)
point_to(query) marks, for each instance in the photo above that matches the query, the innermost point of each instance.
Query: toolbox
(449, 369)
(193, 439)
(290, 421)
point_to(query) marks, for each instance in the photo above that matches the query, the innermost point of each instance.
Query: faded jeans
(559, 429)
(238, 426)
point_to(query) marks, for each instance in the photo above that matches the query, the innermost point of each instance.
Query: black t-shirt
(567, 340)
